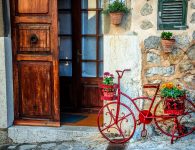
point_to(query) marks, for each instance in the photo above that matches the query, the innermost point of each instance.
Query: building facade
(51, 49)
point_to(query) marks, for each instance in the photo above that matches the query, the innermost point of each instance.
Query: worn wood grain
(33, 6)
(35, 64)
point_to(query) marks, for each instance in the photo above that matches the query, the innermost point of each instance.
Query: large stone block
(193, 35)
(191, 52)
(193, 4)
(165, 71)
(182, 40)
(146, 25)
(152, 42)
(153, 58)
(185, 66)
(190, 80)
(193, 18)
(146, 9)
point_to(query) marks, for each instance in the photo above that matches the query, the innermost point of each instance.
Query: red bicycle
(120, 121)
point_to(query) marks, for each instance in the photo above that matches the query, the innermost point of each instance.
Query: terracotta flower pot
(167, 45)
(116, 18)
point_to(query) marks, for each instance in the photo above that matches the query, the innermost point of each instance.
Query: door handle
(79, 56)
(78, 53)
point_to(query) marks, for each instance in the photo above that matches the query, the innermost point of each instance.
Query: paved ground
(98, 143)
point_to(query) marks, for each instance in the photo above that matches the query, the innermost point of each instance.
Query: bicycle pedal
(138, 122)
(144, 133)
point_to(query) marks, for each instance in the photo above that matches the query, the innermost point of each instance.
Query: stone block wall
(177, 66)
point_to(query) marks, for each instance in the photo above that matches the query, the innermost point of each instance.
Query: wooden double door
(57, 58)
(80, 53)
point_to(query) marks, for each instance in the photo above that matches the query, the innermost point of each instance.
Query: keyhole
(34, 39)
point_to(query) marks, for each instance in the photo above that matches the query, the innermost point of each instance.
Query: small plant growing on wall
(167, 41)
(116, 10)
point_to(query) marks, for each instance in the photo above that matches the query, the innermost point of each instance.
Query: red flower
(111, 75)
(106, 73)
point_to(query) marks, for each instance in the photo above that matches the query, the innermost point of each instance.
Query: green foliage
(166, 35)
(116, 6)
(108, 78)
(172, 93)
(169, 90)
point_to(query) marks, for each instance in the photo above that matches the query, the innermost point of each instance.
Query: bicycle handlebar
(122, 72)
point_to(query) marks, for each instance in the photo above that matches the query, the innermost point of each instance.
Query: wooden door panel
(34, 38)
(35, 86)
(33, 6)
(91, 96)
(35, 62)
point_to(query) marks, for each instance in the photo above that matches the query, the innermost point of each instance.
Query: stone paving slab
(98, 143)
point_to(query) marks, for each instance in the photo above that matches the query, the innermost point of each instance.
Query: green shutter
(172, 14)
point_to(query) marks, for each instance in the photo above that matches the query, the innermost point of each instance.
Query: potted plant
(116, 10)
(108, 88)
(167, 41)
(174, 98)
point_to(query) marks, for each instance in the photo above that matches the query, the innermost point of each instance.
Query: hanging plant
(167, 41)
(116, 10)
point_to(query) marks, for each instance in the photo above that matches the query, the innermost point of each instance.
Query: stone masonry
(177, 66)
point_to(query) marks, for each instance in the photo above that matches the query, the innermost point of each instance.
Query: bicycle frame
(134, 99)
(145, 116)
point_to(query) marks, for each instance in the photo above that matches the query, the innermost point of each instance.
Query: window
(172, 14)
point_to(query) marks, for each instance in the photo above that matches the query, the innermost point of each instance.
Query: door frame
(79, 83)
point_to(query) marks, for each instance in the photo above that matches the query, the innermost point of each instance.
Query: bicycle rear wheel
(116, 131)
(175, 126)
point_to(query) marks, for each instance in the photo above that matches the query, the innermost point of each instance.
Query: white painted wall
(123, 52)
(6, 83)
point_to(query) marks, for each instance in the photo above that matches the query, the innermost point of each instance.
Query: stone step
(30, 134)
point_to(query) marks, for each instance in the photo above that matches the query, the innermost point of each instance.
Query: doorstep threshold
(35, 134)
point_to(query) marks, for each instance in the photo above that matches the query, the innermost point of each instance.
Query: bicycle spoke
(121, 132)
(115, 130)
(108, 127)
(110, 112)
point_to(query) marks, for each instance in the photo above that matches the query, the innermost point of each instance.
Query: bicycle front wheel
(116, 130)
(175, 126)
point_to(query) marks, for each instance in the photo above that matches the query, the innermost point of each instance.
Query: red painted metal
(108, 92)
(113, 130)
(174, 106)
(145, 117)
(171, 120)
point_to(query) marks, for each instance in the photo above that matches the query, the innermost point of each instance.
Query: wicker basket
(116, 18)
(174, 106)
(108, 92)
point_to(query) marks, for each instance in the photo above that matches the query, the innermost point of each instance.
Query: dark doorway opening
(80, 60)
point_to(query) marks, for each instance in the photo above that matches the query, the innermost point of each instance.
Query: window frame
(172, 26)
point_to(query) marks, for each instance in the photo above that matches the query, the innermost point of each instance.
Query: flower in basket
(108, 85)
(108, 78)
(169, 90)
(174, 98)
